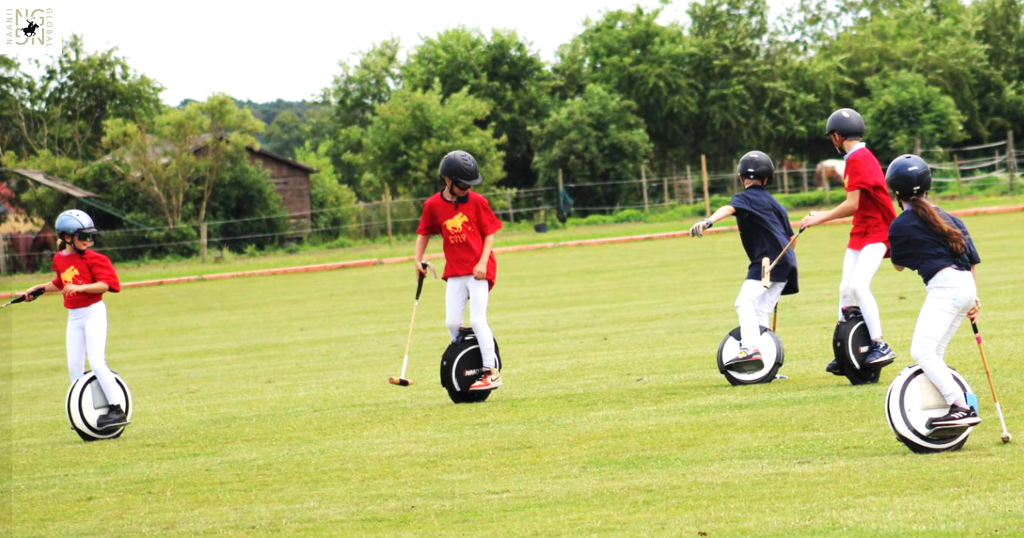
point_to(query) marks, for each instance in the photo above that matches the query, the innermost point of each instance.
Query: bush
(628, 215)
(246, 192)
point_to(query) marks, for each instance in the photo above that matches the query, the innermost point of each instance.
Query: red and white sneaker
(746, 361)
(490, 381)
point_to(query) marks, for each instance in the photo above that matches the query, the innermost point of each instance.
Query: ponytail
(948, 233)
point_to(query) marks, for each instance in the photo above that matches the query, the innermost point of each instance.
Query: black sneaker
(880, 355)
(745, 362)
(835, 368)
(958, 417)
(113, 418)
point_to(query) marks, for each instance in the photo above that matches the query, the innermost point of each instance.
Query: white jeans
(87, 330)
(460, 290)
(754, 306)
(951, 294)
(859, 267)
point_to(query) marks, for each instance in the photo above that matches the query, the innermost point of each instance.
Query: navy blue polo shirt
(764, 231)
(915, 246)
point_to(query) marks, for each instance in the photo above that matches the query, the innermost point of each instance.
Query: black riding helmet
(847, 122)
(756, 165)
(908, 176)
(460, 166)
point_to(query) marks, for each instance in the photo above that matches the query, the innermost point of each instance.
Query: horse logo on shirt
(69, 275)
(455, 224)
(846, 182)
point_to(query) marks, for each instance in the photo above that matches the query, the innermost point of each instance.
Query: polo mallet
(401, 381)
(1006, 437)
(21, 299)
(766, 267)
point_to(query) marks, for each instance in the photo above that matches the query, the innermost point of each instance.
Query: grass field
(262, 407)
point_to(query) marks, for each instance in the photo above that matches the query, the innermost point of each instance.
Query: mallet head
(400, 382)
(766, 279)
(1006, 437)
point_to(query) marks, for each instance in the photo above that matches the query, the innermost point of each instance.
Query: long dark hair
(949, 234)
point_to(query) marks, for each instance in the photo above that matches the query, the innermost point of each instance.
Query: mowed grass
(263, 408)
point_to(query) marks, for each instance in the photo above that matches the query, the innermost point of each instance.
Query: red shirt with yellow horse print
(462, 231)
(85, 268)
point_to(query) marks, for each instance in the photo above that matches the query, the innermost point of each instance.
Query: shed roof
(54, 183)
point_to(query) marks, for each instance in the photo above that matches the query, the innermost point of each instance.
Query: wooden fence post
(511, 211)
(803, 173)
(3, 255)
(675, 183)
(202, 241)
(917, 147)
(643, 182)
(387, 212)
(561, 187)
(664, 186)
(1011, 159)
(707, 197)
(689, 186)
(959, 182)
(785, 175)
(362, 220)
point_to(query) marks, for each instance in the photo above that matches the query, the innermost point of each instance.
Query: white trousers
(859, 267)
(464, 289)
(87, 331)
(754, 306)
(951, 294)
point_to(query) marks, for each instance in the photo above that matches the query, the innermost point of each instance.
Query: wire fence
(956, 170)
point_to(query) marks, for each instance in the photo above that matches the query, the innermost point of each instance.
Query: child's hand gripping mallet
(21, 298)
(1006, 437)
(401, 381)
(767, 265)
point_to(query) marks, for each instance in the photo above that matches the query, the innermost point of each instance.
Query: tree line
(629, 89)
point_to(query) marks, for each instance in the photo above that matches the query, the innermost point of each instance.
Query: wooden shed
(292, 184)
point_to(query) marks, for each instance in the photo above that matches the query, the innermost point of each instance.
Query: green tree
(904, 106)
(158, 157)
(286, 134)
(595, 138)
(938, 40)
(733, 76)
(181, 151)
(1002, 30)
(11, 87)
(231, 130)
(648, 63)
(64, 110)
(501, 69)
(408, 136)
(349, 103)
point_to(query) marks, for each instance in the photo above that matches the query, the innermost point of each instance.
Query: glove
(698, 229)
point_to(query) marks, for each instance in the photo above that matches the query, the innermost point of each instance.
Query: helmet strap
(456, 199)
(841, 146)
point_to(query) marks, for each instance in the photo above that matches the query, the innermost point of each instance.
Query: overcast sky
(264, 50)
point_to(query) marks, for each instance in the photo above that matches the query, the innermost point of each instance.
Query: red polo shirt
(875, 212)
(85, 268)
(462, 232)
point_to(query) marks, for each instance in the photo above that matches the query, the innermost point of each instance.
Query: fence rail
(995, 163)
